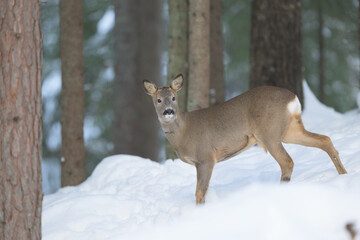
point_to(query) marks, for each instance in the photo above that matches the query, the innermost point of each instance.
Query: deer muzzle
(168, 112)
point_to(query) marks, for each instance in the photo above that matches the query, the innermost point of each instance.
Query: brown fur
(207, 136)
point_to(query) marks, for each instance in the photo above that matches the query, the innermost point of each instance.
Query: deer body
(226, 138)
(265, 115)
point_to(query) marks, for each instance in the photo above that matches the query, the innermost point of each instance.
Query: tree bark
(321, 54)
(178, 54)
(137, 56)
(199, 54)
(20, 120)
(73, 169)
(217, 81)
(275, 48)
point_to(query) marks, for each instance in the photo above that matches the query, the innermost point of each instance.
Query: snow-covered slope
(128, 197)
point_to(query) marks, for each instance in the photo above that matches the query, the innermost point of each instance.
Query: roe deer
(264, 115)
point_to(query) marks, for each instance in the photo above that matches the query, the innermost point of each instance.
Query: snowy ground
(128, 197)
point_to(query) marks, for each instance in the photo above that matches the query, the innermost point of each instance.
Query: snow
(128, 197)
(51, 171)
(107, 22)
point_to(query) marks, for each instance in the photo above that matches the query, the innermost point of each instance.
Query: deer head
(165, 98)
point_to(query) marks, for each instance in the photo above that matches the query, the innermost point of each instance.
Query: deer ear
(150, 88)
(177, 83)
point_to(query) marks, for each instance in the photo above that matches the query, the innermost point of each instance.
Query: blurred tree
(20, 120)
(177, 54)
(178, 46)
(137, 56)
(276, 45)
(98, 75)
(217, 81)
(340, 51)
(72, 95)
(199, 54)
(358, 40)
(236, 22)
(51, 68)
(321, 52)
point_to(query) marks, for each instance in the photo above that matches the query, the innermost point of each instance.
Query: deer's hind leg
(297, 134)
(277, 150)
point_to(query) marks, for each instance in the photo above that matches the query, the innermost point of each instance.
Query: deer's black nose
(168, 112)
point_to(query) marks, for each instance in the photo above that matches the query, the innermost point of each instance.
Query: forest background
(329, 39)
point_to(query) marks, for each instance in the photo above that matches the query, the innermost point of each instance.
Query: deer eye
(159, 101)
(173, 98)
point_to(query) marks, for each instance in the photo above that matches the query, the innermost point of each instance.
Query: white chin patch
(169, 116)
(294, 106)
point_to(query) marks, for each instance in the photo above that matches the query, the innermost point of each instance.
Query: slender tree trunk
(275, 48)
(137, 57)
(217, 81)
(199, 54)
(147, 139)
(73, 169)
(359, 42)
(358, 94)
(178, 53)
(126, 42)
(20, 120)
(178, 46)
(321, 54)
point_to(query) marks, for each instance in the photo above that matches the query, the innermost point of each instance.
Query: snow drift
(128, 197)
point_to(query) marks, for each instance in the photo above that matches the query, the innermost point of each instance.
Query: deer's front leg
(204, 171)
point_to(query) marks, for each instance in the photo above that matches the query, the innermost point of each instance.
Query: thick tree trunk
(217, 81)
(20, 120)
(321, 54)
(199, 54)
(275, 48)
(178, 53)
(137, 57)
(73, 169)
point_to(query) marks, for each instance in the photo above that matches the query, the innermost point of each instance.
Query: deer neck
(174, 129)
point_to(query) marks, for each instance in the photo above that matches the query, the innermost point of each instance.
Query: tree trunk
(358, 94)
(321, 54)
(150, 37)
(178, 46)
(126, 42)
(73, 169)
(359, 44)
(275, 48)
(20, 120)
(178, 53)
(217, 82)
(199, 54)
(137, 57)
